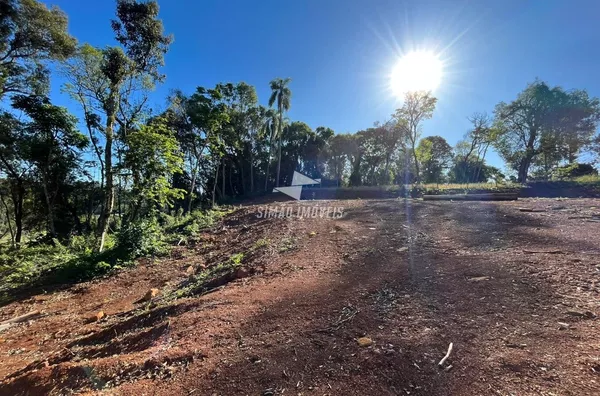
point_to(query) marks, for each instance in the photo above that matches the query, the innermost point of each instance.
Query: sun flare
(416, 71)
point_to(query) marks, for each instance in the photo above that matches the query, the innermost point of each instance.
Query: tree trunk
(8, 222)
(251, 170)
(18, 196)
(109, 188)
(51, 227)
(268, 164)
(223, 179)
(230, 181)
(417, 172)
(215, 185)
(279, 145)
(192, 187)
(524, 169)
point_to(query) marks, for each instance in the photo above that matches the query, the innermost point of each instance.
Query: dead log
(473, 197)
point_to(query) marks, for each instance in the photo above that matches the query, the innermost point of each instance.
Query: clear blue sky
(339, 53)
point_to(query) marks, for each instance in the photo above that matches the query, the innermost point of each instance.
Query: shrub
(141, 238)
(574, 170)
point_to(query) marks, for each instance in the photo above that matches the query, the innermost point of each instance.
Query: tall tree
(282, 95)
(417, 107)
(435, 155)
(541, 115)
(54, 147)
(14, 164)
(108, 80)
(30, 34)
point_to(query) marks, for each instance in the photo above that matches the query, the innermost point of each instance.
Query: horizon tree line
(219, 143)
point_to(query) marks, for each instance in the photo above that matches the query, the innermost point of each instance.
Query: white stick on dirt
(447, 355)
(22, 318)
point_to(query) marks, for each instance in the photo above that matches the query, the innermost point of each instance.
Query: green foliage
(190, 225)
(574, 170)
(30, 34)
(142, 238)
(263, 242)
(236, 259)
(18, 267)
(141, 33)
(545, 120)
(153, 157)
(435, 155)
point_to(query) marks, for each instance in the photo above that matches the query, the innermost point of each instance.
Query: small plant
(287, 244)
(236, 259)
(263, 242)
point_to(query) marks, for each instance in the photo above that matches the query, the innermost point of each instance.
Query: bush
(574, 170)
(141, 238)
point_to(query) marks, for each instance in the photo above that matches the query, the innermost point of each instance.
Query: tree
(53, 146)
(107, 80)
(475, 144)
(339, 148)
(269, 131)
(153, 156)
(473, 172)
(30, 34)
(14, 165)
(542, 118)
(434, 155)
(418, 106)
(280, 94)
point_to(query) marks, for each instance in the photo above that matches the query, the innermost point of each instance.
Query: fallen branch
(531, 210)
(22, 318)
(543, 251)
(441, 363)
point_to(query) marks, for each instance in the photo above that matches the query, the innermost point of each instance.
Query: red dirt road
(516, 293)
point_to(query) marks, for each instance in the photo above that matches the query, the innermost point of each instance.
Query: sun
(416, 71)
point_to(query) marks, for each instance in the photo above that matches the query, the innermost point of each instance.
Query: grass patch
(211, 277)
(56, 264)
(287, 244)
(261, 243)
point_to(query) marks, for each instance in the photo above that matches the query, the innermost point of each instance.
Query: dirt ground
(516, 293)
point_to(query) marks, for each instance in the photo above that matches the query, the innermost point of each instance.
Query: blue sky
(339, 53)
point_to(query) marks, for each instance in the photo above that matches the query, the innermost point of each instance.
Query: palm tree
(281, 94)
(269, 129)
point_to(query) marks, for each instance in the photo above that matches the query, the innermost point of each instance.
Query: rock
(365, 341)
(190, 271)
(94, 318)
(242, 273)
(150, 295)
(402, 249)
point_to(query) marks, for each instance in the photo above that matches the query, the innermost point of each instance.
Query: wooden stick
(447, 355)
(473, 197)
(22, 318)
(543, 251)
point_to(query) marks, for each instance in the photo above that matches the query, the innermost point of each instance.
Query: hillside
(364, 304)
